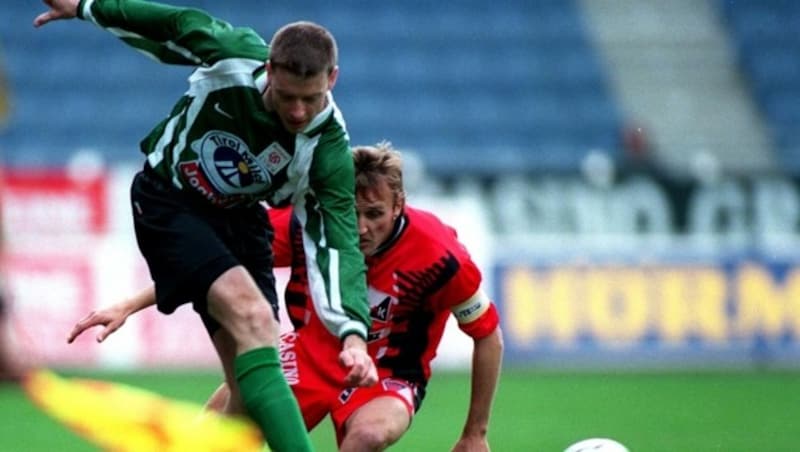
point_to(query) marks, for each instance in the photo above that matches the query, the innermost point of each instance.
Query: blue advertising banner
(734, 310)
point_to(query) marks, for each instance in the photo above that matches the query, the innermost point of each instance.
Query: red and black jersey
(418, 278)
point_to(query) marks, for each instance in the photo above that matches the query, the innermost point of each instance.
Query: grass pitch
(534, 411)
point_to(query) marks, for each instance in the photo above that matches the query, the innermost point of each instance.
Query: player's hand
(472, 443)
(59, 9)
(112, 318)
(356, 359)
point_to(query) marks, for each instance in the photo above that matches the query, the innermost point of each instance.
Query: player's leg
(373, 418)
(226, 398)
(311, 384)
(252, 304)
(196, 254)
(218, 402)
(235, 301)
(376, 425)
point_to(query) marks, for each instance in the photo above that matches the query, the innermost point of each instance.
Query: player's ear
(332, 77)
(399, 205)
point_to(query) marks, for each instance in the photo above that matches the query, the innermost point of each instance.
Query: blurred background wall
(625, 171)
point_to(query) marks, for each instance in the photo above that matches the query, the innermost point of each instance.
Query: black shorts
(188, 244)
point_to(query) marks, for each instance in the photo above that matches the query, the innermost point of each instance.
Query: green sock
(270, 401)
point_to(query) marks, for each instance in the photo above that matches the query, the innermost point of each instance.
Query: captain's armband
(472, 308)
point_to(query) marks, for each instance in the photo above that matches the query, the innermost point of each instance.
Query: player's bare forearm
(486, 362)
(114, 316)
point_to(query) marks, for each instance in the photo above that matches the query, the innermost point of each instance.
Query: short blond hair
(381, 161)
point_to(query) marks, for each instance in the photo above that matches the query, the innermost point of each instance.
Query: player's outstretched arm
(113, 317)
(356, 359)
(59, 9)
(170, 34)
(486, 360)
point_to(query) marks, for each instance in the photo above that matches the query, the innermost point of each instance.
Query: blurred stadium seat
(473, 88)
(764, 35)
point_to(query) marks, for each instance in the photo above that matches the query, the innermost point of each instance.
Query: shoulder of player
(332, 151)
(428, 225)
(331, 129)
(425, 218)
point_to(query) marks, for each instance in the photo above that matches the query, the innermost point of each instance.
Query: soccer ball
(597, 445)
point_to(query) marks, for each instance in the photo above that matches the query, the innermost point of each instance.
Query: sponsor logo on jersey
(193, 174)
(219, 110)
(289, 358)
(229, 165)
(380, 311)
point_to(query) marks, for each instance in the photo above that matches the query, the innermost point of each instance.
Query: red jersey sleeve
(463, 296)
(281, 242)
(467, 279)
(472, 308)
(484, 324)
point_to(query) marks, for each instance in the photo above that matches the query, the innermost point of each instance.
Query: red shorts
(311, 367)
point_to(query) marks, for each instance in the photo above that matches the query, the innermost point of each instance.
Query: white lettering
(289, 358)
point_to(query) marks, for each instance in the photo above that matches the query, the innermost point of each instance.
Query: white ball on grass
(597, 445)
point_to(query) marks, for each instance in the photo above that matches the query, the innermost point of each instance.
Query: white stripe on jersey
(333, 277)
(321, 116)
(183, 51)
(328, 307)
(191, 115)
(87, 12)
(226, 73)
(297, 173)
(261, 82)
(157, 155)
(316, 283)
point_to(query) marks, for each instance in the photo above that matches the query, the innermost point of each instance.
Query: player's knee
(370, 437)
(259, 322)
(248, 318)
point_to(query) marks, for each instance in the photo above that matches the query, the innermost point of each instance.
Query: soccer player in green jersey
(257, 123)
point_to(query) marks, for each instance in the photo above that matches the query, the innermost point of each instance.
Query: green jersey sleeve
(335, 264)
(174, 35)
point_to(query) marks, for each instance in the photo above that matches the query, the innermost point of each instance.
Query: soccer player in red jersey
(418, 274)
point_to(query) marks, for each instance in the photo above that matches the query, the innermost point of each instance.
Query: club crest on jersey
(229, 165)
(274, 158)
(401, 388)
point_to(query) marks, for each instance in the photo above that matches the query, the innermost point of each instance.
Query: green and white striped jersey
(219, 142)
